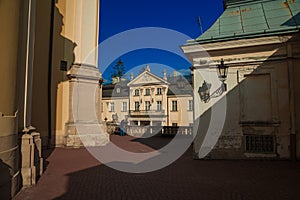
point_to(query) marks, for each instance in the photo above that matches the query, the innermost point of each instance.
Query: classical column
(81, 26)
(9, 165)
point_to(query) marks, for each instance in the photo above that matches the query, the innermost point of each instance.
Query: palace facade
(149, 100)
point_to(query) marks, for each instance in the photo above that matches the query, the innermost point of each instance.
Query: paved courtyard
(75, 174)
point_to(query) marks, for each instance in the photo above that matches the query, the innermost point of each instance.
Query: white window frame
(158, 105)
(147, 105)
(112, 107)
(136, 106)
(174, 105)
(124, 106)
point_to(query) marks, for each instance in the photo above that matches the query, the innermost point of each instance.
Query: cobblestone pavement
(75, 174)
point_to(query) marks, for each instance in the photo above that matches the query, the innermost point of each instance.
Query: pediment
(147, 78)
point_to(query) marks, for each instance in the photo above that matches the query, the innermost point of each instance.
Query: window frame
(158, 91)
(174, 105)
(147, 92)
(190, 105)
(136, 106)
(124, 105)
(159, 106)
(147, 105)
(112, 107)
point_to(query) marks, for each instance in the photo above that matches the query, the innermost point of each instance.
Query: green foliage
(118, 70)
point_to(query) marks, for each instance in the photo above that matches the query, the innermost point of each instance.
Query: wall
(118, 108)
(183, 116)
(9, 148)
(257, 101)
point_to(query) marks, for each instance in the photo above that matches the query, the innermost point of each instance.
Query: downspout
(293, 155)
(30, 39)
(50, 73)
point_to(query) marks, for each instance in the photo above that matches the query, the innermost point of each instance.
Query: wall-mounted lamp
(222, 71)
(204, 90)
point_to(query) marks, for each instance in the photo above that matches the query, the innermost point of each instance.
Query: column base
(85, 134)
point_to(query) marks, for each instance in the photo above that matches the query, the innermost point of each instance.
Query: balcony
(140, 113)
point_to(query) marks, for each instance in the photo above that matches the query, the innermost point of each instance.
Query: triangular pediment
(147, 78)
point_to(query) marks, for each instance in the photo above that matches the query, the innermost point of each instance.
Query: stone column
(81, 26)
(9, 157)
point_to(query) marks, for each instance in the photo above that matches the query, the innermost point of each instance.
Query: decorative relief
(147, 78)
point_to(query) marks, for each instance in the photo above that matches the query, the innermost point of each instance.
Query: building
(259, 43)
(48, 49)
(149, 100)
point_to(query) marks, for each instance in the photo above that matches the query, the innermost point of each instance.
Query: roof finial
(147, 68)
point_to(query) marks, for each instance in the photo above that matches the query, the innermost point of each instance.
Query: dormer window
(118, 90)
(136, 92)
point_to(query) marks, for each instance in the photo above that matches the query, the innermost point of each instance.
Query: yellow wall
(183, 116)
(118, 108)
(9, 156)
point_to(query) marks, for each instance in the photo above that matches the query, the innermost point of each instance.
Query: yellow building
(149, 100)
(258, 115)
(40, 42)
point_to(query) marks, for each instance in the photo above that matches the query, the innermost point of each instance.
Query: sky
(141, 32)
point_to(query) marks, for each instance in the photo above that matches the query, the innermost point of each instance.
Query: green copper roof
(254, 18)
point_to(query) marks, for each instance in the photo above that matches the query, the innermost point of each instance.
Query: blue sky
(117, 16)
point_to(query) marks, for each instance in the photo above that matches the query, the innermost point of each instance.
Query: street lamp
(222, 71)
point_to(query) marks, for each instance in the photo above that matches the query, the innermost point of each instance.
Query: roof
(253, 18)
(180, 85)
(111, 90)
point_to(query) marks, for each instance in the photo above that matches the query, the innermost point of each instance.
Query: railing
(138, 131)
(146, 112)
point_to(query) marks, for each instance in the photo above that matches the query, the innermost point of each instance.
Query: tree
(118, 69)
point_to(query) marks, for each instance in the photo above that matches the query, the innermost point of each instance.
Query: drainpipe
(50, 73)
(293, 155)
(29, 66)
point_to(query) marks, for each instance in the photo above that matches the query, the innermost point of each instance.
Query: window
(174, 105)
(147, 92)
(158, 105)
(112, 107)
(136, 106)
(259, 143)
(174, 124)
(118, 90)
(147, 105)
(124, 106)
(190, 105)
(136, 92)
(158, 91)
